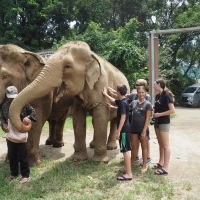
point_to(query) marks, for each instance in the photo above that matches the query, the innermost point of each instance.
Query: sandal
(157, 166)
(161, 172)
(24, 179)
(11, 177)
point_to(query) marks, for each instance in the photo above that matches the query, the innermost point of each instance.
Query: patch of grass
(84, 180)
(187, 186)
(69, 124)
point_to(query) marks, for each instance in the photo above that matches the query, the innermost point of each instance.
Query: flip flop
(123, 178)
(161, 172)
(157, 166)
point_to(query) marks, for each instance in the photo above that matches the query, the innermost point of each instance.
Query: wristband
(143, 132)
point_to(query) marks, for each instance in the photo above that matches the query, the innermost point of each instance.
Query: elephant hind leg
(92, 144)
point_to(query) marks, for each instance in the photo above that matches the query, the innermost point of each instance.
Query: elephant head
(69, 68)
(18, 68)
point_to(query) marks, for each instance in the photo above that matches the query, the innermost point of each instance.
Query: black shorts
(124, 142)
(147, 134)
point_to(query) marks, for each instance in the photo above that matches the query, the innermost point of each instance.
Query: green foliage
(116, 30)
(120, 47)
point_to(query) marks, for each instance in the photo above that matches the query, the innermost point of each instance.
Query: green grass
(69, 125)
(88, 180)
(84, 180)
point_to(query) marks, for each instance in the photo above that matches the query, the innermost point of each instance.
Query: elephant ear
(93, 71)
(33, 63)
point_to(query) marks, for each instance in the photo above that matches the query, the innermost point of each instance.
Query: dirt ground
(184, 141)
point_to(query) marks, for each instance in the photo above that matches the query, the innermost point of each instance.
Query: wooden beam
(168, 31)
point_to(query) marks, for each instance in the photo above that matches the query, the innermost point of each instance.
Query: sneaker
(147, 162)
(137, 159)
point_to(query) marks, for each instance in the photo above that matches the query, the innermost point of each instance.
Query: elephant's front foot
(49, 142)
(100, 158)
(92, 144)
(58, 144)
(79, 156)
(33, 161)
(111, 145)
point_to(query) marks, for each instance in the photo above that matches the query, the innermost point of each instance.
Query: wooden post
(156, 71)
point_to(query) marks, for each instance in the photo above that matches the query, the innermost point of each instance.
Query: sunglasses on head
(137, 85)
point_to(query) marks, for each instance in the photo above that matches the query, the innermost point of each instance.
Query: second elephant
(82, 74)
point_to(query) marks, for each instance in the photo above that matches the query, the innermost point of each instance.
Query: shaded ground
(184, 141)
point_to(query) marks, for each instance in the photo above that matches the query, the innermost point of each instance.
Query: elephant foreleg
(111, 143)
(79, 124)
(100, 122)
(32, 145)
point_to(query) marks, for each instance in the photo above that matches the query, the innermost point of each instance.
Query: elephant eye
(67, 66)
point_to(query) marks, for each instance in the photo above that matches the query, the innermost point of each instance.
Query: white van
(191, 95)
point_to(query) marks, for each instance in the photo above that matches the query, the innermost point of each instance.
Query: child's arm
(106, 94)
(111, 106)
(148, 115)
(121, 123)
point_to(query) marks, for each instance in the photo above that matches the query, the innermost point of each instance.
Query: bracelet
(143, 132)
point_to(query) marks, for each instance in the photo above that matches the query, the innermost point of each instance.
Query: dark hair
(163, 86)
(122, 89)
(141, 88)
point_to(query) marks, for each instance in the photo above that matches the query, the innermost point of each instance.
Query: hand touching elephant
(19, 68)
(80, 73)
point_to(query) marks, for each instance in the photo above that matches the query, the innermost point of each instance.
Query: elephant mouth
(60, 91)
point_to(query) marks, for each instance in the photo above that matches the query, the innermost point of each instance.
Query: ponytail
(163, 86)
(170, 93)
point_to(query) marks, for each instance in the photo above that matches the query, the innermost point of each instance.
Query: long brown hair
(163, 86)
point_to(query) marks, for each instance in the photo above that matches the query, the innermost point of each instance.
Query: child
(133, 96)
(16, 150)
(164, 107)
(123, 128)
(142, 111)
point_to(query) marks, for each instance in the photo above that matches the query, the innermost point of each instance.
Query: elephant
(80, 73)
(19, 67)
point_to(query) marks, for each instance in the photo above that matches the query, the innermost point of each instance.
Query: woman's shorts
(147, 134)
(162, 127)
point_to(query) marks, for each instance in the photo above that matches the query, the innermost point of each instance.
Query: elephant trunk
(46, 81)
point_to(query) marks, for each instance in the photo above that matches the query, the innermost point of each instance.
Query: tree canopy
(117, 30)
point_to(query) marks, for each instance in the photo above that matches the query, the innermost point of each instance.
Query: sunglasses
(137, 85)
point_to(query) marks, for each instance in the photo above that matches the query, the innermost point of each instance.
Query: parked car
(191, 95)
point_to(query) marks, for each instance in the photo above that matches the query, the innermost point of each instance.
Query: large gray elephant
(80, 73)
(19, 68)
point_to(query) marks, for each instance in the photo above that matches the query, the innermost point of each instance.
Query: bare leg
(127, 166)
(164, 137)
(138, 146)
(148, 148)
(134, 147)
(143, 140)
(161, 150)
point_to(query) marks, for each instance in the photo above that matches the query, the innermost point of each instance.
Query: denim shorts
(162, 127)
